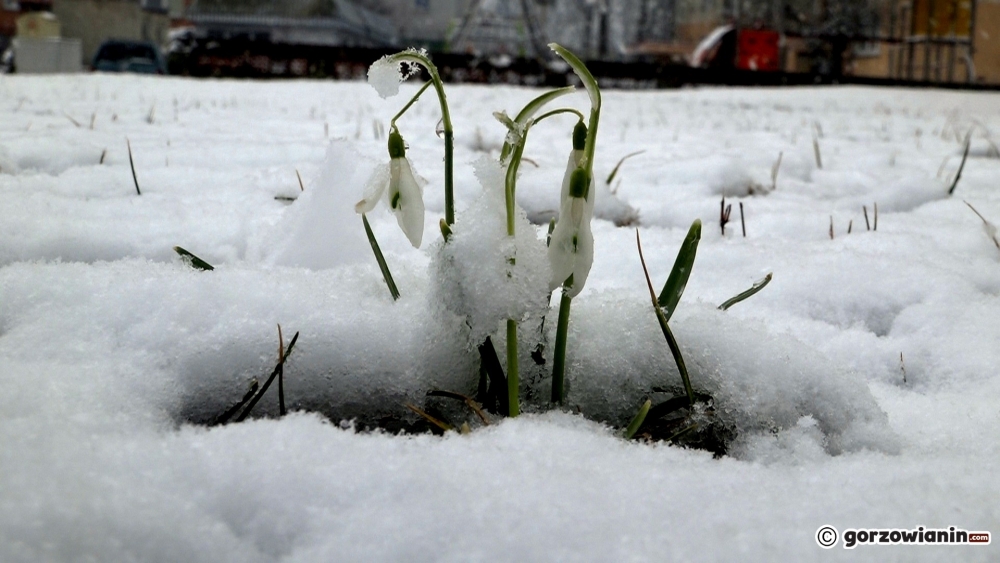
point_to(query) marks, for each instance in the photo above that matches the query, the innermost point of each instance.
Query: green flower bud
(579, 136)
(397, 148)
(579, 184)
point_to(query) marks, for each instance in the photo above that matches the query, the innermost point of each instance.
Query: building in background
(95, 21)
(940, 41)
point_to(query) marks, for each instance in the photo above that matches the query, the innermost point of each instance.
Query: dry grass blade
(224, 417)
(281, 373)
(274, 374)
(131, 163)
(302, 187)
(469, 401)
(774, 172)
(649, 282)
(69, 117)
(991, 230)
(423, 414)
(724, 212)
(961, 166)
(614, 171)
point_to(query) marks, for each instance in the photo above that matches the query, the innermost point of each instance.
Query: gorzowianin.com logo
(827, 536)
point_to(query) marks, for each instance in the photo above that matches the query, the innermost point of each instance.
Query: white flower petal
(572, 164)
(571, 249)
(406, 200)
(584, 258)
(562, 250)
(374, 189)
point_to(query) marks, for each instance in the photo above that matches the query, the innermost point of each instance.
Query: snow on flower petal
(384, 75)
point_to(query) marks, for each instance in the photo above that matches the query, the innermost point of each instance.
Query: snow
(385, 77)
(483, 277)
(113, 351)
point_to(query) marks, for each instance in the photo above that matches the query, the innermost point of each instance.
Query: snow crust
(111, 348)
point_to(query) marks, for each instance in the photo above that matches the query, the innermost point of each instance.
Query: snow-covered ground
(862, 380)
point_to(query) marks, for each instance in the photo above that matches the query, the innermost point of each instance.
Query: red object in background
(757, 49)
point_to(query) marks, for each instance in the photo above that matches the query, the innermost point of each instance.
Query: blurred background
(628, 43)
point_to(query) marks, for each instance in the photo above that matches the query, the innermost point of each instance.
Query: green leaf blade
(681, 272)
(196, 263)
(640, 417)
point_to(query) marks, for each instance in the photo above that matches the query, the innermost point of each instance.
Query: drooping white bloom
(403, 190)
(571, 248)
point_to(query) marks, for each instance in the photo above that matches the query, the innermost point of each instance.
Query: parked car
(119, 55)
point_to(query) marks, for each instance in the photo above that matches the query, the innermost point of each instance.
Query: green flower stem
(414, 56)
(523, 123)
(559, 357)
(590, 83)
(510, 184)
(413, 100)
(513, 377)
(559, 111)
(524, 117)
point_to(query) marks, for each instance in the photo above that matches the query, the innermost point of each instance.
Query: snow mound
(481, 273)
(321, 229)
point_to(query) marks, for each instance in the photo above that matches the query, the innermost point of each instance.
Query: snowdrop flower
(405, 191)
(571, 249)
